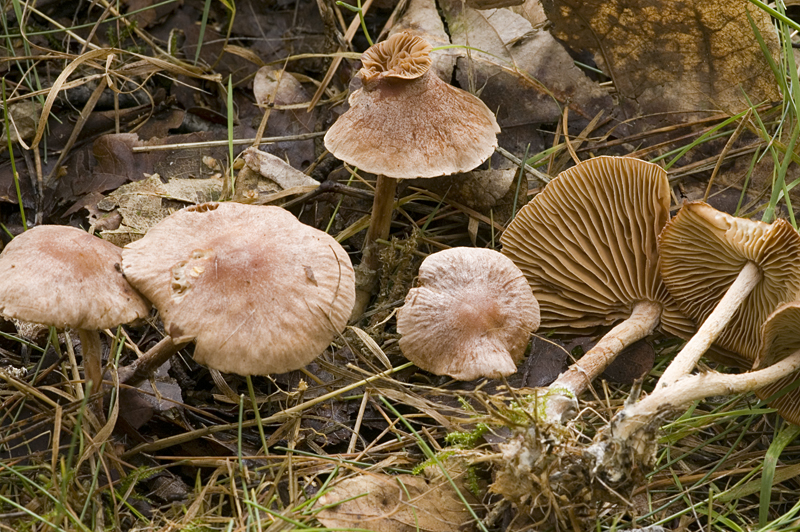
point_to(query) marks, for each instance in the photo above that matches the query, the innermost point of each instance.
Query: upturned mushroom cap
(702, 252)
(587, 244)
(471, 315)
(62, 276)
(405, 122)
(257, 290)
(780, 337)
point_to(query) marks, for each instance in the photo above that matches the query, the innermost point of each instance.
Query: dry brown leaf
(524, 74)
(403, 503)
(667, 56)
(142, 204)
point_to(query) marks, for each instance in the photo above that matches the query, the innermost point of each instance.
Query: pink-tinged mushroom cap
(405, 122)
(258, 291)
(62, 276)
(471, 315)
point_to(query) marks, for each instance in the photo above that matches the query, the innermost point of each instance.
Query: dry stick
(576, 380)
(685, 361)
(141, 370)
(163, 443)
(725, 150)
(348, 37)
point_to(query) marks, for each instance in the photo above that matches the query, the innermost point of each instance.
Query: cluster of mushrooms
(258, 292)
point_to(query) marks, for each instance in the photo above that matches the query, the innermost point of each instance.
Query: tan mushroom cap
(471, 315)
(702, 252)
(62, 276)
(257, 290)
(405, 122)
(780, 337)
(588, 244)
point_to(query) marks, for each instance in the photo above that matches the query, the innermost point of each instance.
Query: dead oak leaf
(671, 55)
(403, 503)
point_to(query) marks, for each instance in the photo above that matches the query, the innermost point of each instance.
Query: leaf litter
(136, 126)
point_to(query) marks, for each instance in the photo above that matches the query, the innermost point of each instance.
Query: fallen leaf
(673, 56)
(142, 204)
(524, 74)
(403, 503)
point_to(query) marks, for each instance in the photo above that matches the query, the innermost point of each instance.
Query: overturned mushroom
(471, 315)
(256, 290)
(406, 123)
(727, 274)
(64, 277)
(587, 245)
(631, 436)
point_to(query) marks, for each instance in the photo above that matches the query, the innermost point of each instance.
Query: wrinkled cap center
(402, 55)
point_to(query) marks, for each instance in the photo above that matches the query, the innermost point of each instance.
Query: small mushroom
(587, 245)
(64, 277)
(727, 274)
(256, 290)
(780, 337)
(406, 123)
(471, 315)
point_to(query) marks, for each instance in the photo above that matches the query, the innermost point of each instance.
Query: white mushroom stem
(146, 365)
(643, 319)
(686, 360)
(92, 358)
(379, 227)
(630, 438)
(692, 388)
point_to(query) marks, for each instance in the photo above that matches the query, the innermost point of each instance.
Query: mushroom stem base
(685, 361)
(630, 438)
(563, 406)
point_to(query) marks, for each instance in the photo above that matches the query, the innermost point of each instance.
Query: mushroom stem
(141, 370)
(92, 358)
(685, 361)
(630, 429)
(562, 406)
(379, 227)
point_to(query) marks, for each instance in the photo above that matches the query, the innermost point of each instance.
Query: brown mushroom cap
(588, 244)
(471, 315)
(702, 252)
(780, 337)
(257, 290)
(405, 122)
(62, 276)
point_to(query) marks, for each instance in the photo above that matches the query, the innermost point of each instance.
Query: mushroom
(587, 244)
(630, 438)
(64, 277)
(471, 315)
(729, 274)
(258, 291)
(406, 123)
(781, 338)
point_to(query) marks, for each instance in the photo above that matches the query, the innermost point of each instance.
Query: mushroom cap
(62, 276)
(471, 315)
(780, 337)
(702, 252)
(257, 290)
(405, 122)
(587, 243)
